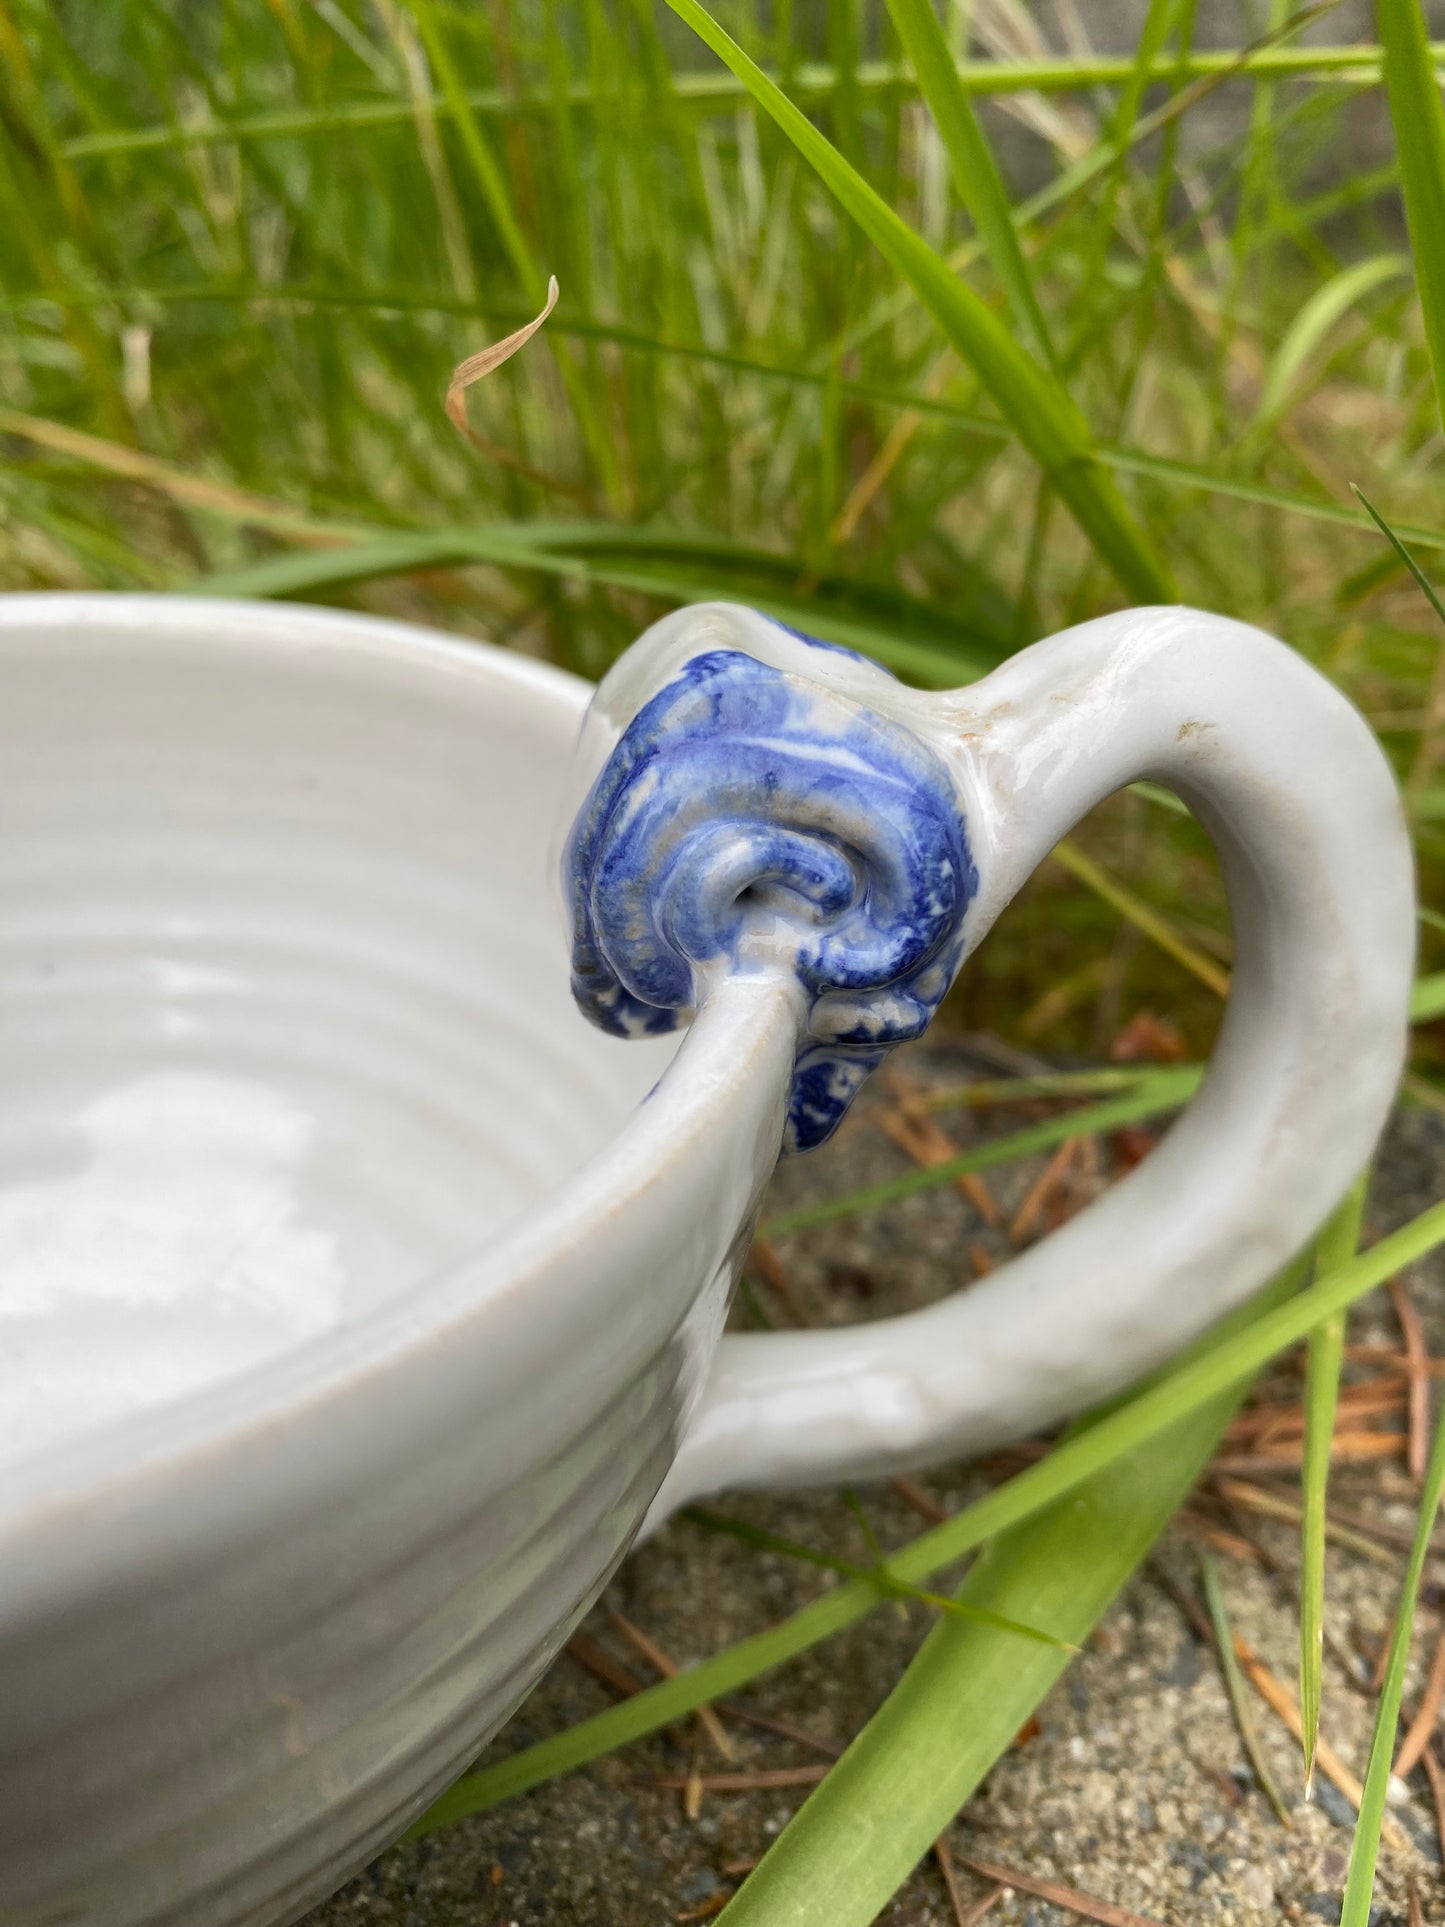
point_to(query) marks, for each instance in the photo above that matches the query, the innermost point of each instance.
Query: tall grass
(253, 242)
(926, 343)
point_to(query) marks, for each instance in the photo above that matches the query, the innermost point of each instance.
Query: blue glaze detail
(747, 813)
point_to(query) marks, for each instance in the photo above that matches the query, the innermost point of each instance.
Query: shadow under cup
(283, 994)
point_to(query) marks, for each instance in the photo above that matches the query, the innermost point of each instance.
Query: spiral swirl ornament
(750, 817)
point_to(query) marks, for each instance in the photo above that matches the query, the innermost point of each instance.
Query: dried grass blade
(600, 1663)
(1127, 460)
(1278, 1698)
(1162, 1091)
(1422, 1728)
(943, 1854)
(1044, 1187)
(981, 1909)
(192, 491)
(486, 359)
(1417, 1356)
(1254, 1498)
(929, 1145)
(707, 1717)
(1086, 1906)
(933, 1144)
(706, 1911)
(753, 1782)
(914, 1496)
(1142, 915)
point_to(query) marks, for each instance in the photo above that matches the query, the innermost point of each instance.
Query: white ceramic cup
(355, 1307)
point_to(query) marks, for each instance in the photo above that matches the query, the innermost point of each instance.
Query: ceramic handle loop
(1303, 811)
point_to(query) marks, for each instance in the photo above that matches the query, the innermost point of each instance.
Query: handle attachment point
(750, 816)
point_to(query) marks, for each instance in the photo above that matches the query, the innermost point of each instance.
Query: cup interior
(284, 1009)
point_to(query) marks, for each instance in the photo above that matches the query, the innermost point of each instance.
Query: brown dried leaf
(475, 366)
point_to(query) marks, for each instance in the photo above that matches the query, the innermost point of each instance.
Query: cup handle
(1303, 811)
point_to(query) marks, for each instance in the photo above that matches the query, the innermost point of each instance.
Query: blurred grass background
(241, 248)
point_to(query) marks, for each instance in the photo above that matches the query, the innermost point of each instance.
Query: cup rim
(730, 1058)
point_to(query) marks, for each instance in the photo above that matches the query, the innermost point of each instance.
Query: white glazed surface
(282, 1005)
(283, 998)
(283, 992)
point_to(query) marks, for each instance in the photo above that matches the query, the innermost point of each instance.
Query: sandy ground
(1135, 1787)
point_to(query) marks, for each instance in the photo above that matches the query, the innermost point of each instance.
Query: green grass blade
(1104, 225)
(1142, 915)
(1258, 195)
(975, 172)
(1038, 410)
(1427, 998)
(1328, 305)
(1423, 582)
(1148, 1094)
(1357, 64)
(312, 572)
(490, 179)
(909, 636)
(486, 170)
(29, 227)
(880, 1575)
(1009, 1090)
(1208, 1374)
(1360, 1882)
(1160, 1092)
(1099, 159)
(1235, 1686)
(964, 1696)
(1419, 118)
(1325, 1357)
(1127, 460)
(1241, 488)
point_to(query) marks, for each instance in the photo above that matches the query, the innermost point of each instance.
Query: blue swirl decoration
(748, 812)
